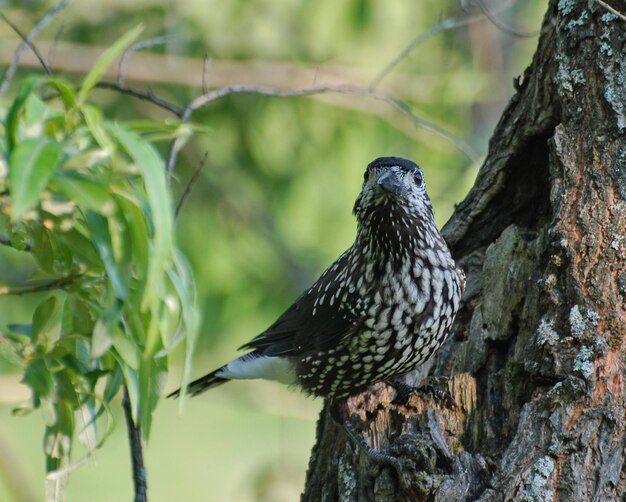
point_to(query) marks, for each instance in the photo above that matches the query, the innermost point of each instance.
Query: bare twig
(136, 451)
(143, 44)
(144, 95)
(55, 42)
(205, 99)
(58, 283)
(27, 42)
(191, 184)
(447, 24)
(612, 9)
(405, 109)
(498, 23)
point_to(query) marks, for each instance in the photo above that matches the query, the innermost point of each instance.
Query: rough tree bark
(536, 359)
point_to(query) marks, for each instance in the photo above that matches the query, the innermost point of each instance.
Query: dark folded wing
(318, 319)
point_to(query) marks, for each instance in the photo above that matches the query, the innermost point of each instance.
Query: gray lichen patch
(608, 17)
(566, 77)
(539, 483)
(346, 481)
(574, 23)
(581, 325)
(612, 66)
(546, 334)
(566, 6)
(583, 363)
(600, 346)
(576, 322)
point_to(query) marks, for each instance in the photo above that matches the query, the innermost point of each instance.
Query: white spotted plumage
(379, 311)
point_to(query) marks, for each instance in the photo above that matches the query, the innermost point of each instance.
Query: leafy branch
(58, 283)
(85, 193)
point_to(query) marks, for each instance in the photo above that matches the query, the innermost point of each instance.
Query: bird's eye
(366, 174)
(419, 179)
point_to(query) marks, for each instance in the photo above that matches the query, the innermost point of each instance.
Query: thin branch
(498, 23)
(59, 283)
(64, 471)
(143, 44)
(136, 451)
(206, 99)
(27, 42)
(55, 42)
(447, 24)
(43, 22)
(612, 9)
(143, 95)
(191, 184)
(404, 108)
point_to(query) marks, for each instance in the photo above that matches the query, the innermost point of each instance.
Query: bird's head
(393, 187)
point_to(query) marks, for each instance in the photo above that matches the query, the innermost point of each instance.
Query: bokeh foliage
(88, 199)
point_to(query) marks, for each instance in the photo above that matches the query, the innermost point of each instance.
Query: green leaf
(65, 381)
(31, 164)
(47, 321)
(140, 243)
(85, 191)
(83, 249)
(127, 350)
(57, 445)
(99, 227)
(66, 91)
(38, 377)
(152, 378)
(13, 116)
(101, 339)
(63, 256)
(9, 351)
(57, 442)
(87, 432)
(132, 385)
(152, 170)
(93, 119)
(82, 313)
(42, 248)
(182, 279)
(121, 245)
(35, 111)
(105, 60)
(113, 385)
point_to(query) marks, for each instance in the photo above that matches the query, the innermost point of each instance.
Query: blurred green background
(272, 207)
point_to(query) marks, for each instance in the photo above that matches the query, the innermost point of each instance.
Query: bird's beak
(390, 182)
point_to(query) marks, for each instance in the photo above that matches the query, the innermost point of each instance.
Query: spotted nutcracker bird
(377, 313)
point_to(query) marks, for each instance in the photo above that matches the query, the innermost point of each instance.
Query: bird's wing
(316, 321)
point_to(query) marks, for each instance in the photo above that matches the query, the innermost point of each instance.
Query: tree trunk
(536, 358)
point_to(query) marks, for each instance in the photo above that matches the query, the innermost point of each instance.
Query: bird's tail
(202, 384)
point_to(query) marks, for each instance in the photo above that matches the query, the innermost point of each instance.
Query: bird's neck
(395, 238)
